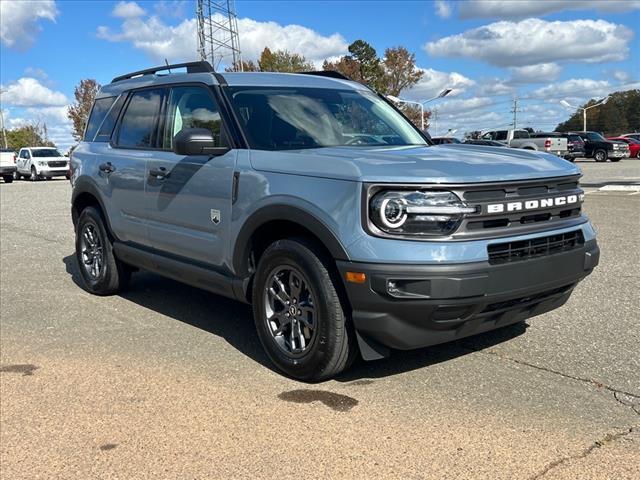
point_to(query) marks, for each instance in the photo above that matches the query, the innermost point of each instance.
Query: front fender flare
(284, 212)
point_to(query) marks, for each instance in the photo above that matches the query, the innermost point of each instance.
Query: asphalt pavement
(167, 381)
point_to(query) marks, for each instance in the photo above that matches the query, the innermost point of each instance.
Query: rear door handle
(106, 167)
(159, 173)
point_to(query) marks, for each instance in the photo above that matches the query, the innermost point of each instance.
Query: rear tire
(312, 346)
(102, 273)
(16, 175)
(8, 178)
(600, 155)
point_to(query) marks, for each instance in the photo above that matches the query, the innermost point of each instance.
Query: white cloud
(19, 21)
(29, 92)
(543, 72)
(443, 8)
(534, 41)
(495, 87)
(178, 43)
(462, 106)
(526, 8)
(127, 10)
(622, 76)
(574, 90)
(433, 82)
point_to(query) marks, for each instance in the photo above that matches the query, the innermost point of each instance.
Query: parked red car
(634, 145)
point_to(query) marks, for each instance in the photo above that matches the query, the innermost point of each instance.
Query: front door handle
(106, 167)
(159, 173)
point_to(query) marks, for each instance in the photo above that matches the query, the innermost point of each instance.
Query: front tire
(299, 316)
(34, 177)
(600, 155)
(102, 273)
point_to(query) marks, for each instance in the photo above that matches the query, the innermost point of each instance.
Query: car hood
(453, 163)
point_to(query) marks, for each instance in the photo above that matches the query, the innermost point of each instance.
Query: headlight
(417, 213)
(43, 164)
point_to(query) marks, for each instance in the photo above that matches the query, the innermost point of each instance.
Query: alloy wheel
(92, 254)
(290, 311)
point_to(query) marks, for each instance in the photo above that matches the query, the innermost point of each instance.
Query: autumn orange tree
(84, 93)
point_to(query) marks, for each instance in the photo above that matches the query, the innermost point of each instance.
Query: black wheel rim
(290, 311)
(91, 251)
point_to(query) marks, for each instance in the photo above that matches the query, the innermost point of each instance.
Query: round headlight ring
(393, 212)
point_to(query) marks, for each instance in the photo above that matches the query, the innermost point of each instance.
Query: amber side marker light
(356, 277)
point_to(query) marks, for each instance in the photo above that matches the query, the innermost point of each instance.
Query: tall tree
(283, 61)
(400, 70)
(85, 92)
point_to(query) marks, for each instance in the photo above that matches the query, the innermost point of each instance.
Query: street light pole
(584, 110)
(443, 93)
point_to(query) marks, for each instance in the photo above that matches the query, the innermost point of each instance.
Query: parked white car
(7, 164)
(36, 163)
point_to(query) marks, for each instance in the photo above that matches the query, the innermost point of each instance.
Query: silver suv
(312, 198)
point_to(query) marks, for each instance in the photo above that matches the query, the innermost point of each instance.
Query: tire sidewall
(290, 253)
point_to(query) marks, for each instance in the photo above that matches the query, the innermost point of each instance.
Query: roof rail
(327, 73)
(192, 67)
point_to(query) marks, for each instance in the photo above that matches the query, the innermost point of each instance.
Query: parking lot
(167, 381)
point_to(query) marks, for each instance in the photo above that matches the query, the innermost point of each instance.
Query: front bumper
(618, 154)
(458, 300)
(7, 170)
(54, 172)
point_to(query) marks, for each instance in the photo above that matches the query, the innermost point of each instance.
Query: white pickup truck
(521, 139)
(7, 164)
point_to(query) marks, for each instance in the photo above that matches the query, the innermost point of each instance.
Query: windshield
(46, 152)
(295, 118)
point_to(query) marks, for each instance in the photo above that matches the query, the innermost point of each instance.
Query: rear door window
(501, 135)
(98, 112)
(140, 120)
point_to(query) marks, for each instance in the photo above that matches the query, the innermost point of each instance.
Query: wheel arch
(86, 194)
(274, 222)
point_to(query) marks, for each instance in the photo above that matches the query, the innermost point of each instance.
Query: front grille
(507, 252)
(58, 163)
(486, 224)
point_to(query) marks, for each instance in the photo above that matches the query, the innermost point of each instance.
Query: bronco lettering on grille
(534, 204)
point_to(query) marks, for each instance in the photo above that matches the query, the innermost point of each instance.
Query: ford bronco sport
(312, 198)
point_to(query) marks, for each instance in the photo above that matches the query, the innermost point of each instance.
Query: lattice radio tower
(218, 41)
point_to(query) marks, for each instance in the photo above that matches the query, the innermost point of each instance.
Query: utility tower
(218, 41)
(515, 110)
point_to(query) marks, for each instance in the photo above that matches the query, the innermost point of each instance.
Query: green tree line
(619, 115)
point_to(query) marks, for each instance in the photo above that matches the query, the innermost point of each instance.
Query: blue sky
(487, 51)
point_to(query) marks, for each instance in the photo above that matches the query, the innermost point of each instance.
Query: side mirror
(197, 141)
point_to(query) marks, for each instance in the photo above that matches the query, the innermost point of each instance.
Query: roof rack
(327, 73)
(192, 67)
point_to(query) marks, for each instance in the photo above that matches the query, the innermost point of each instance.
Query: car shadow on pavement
(233, 321)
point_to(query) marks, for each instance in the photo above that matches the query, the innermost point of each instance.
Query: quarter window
(98, 112)
(192, 107)
(105, 130)
(138, 126)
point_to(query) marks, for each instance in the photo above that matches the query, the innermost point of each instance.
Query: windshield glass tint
(296, 118)
(46, 152)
